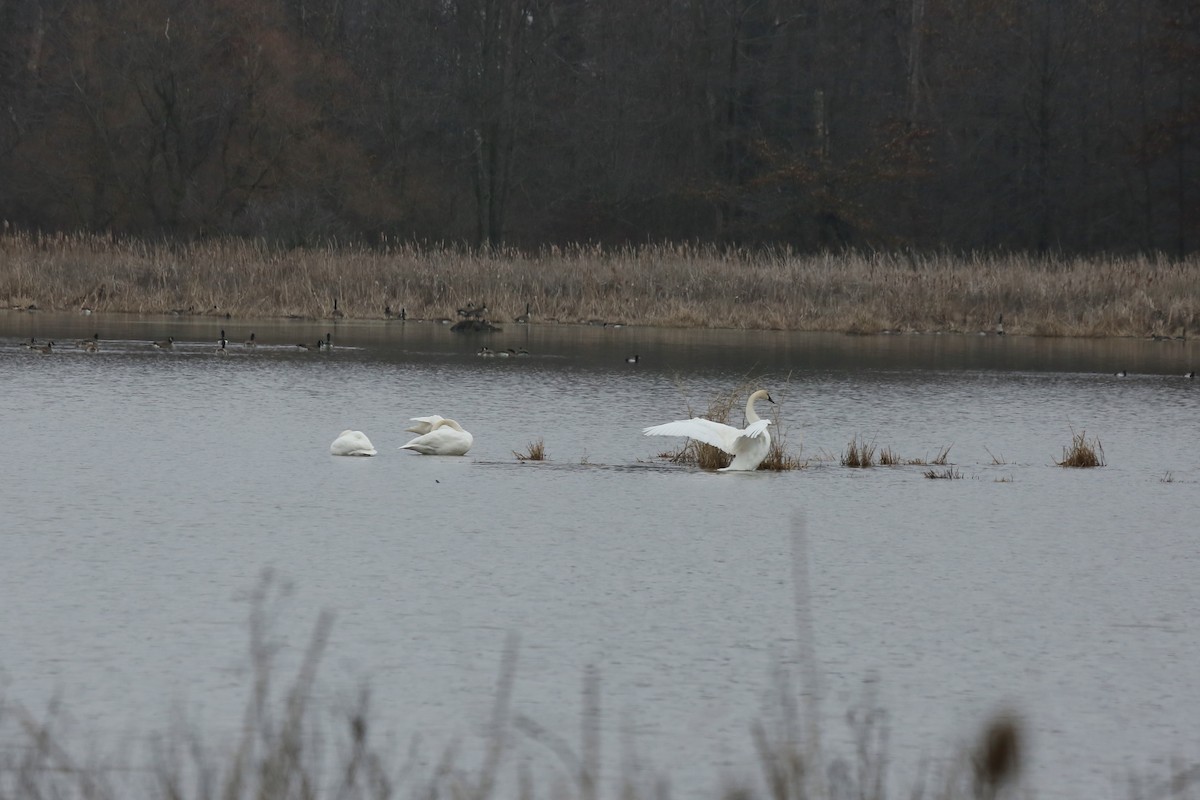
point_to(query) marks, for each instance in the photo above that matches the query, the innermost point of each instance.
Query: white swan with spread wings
(748, 446)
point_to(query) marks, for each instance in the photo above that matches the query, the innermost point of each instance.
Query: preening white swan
(445, 438)
(352, 443)
(748, 447)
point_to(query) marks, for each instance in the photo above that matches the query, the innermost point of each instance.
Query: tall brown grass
(1083, 452)
(536, 451)
(662, 285)
(859, 454)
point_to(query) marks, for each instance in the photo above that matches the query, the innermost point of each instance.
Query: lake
(147, 491)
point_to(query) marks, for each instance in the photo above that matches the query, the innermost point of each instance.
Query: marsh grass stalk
(659, 285)
(1082, 452)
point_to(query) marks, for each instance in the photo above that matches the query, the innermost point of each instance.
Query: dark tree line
(1070, 125)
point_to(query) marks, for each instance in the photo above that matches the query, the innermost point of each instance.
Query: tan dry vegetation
(661, 285)
(1083, 452)
(536, 451)
(859, 454)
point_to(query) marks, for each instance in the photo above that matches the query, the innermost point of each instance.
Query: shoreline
(653, 286)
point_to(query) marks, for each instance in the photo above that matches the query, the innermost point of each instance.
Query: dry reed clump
(950, 473)
(660, 285)
(859, 455)
(1082, 453)
(536, 451)
(890, 458)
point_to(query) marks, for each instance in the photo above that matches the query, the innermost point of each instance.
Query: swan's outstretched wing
(717, 434)
(423, 424)
(755, 429)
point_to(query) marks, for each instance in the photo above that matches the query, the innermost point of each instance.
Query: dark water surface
(145, 492)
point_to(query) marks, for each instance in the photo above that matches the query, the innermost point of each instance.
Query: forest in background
(1004, 125)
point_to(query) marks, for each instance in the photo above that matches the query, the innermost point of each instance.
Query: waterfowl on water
(1121, 374)
(445, 438)
(748, 446)
(486, 352)
(352, 443)
(326, 343)
(165, 344)
(45, 349)
(633, 359)
(1191, 374)
(524, 318)
(250, 342)
(83, 344)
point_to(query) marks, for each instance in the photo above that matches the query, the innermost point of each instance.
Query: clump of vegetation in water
(1082, 452)
(536, 451)
(859, 454)
(950, 473)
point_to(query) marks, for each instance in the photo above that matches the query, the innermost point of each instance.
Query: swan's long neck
(751, 415)
(446, 423)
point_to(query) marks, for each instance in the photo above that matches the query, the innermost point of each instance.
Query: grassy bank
(670, 286)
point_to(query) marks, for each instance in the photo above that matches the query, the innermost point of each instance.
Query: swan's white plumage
(445, 438)
(748, 446)
(422, 425)
(352, 443)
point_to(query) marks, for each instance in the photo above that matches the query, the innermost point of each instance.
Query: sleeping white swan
(352, 443)
(445, 438)
(748, 446)
(423, 424)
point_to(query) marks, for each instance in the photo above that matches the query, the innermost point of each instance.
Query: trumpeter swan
(352, 443)
(445, 438)
(748, 446)
(423, 424)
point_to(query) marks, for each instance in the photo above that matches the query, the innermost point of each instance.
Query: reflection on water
(147, 490)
